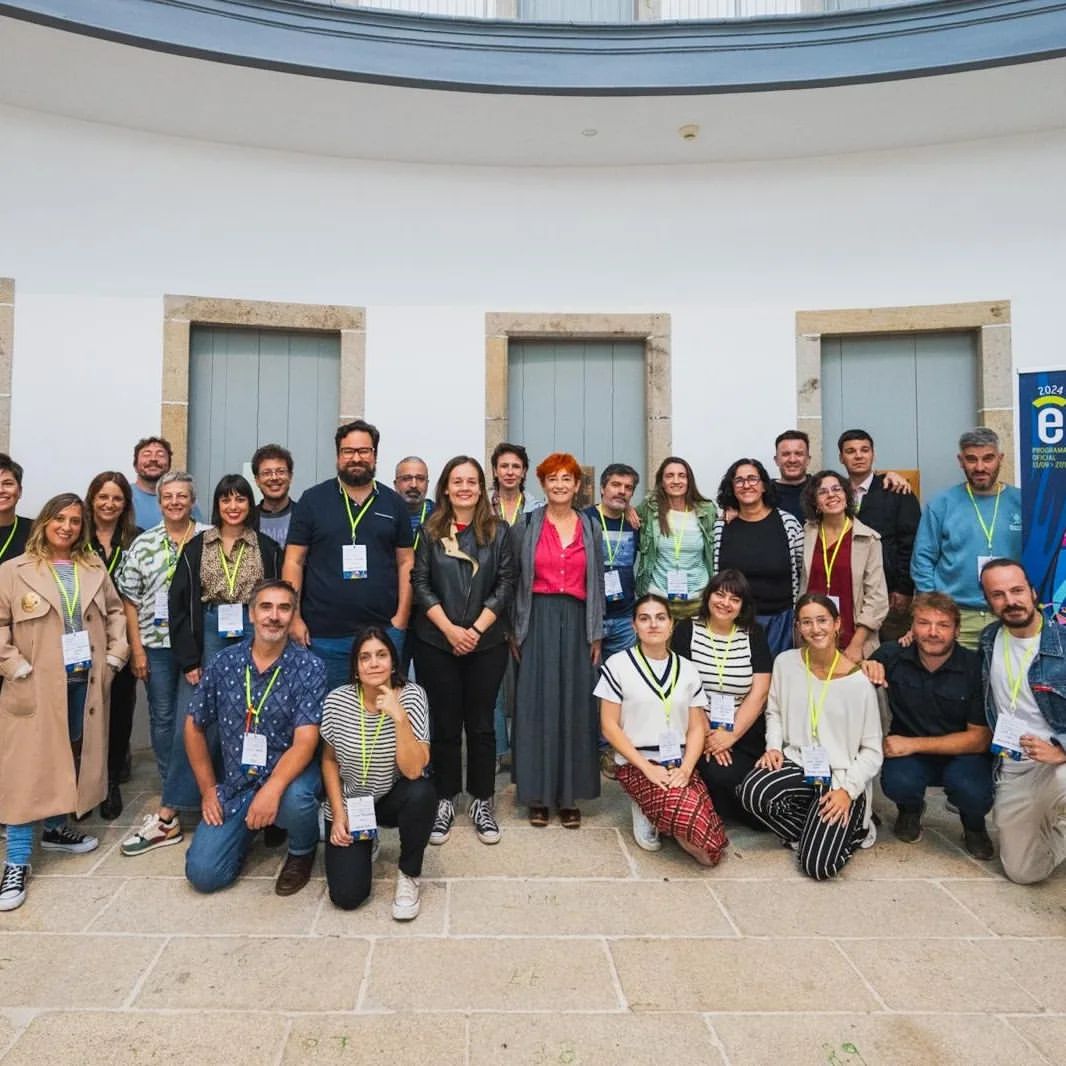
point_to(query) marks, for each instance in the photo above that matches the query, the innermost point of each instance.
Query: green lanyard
(611, 555)
(253, 711)
(231, 575)
(988, 531)
(354, 521)
(114, 558)
(719, 663)
(679, 536)
(367, 756)
(421, 519)
(70, 604)
(665, 694)
(815, 709)
(1014, 684)
(10, 537)
(517, 507)
(829, 561)
(172, 555)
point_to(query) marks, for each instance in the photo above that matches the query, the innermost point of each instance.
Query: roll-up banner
(1042, 440)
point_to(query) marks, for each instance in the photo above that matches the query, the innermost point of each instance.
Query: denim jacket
(1047, 676)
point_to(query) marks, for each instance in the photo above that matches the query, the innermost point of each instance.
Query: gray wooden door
(577, 10)
(585, 397)
(914, 393)
(257, 386)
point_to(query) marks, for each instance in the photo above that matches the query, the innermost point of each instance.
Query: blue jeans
(162, 688)
(216, 853)
(336, 653)
(618, 635)
(967, 781)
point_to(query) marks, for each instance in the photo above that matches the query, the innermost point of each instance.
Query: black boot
(111, 808)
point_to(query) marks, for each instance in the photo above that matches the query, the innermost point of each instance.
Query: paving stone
(374, 918)
(1016, 910)
(937, 855)
(256, 973)
(61, 864)
(1048, 1035)
(60, 904)
(489, 974)
(377, 1038)
(742, 975)
(1039, 966)
(609, 810)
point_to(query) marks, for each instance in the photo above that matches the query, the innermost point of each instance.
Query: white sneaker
(13, 886)
(154, 833)
(871, 837)
(407, 901)
(644, 833)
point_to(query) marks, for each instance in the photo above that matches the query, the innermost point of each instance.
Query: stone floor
(552, 947)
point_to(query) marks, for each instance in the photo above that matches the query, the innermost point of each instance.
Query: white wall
(97, 223)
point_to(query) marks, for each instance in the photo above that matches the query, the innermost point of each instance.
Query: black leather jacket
(442, 579)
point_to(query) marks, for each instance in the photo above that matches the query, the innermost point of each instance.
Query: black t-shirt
(332, 605)
(925, 704)
(789, 497)
(759, 550)
(18, 531)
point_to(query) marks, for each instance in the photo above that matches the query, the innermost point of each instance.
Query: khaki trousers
(1030, 814)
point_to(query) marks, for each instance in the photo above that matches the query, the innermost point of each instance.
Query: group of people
(721, 659)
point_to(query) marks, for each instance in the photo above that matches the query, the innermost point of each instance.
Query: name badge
(982, 560)
(76, 651)
(362, 818)
(254, 754)
(612, 585)
(353, 561)
(230, 620)
(816, 768)
(676, 585)
(834, 600)
(670, 747)
(723, 711)
(1007, 739)
(161, 610)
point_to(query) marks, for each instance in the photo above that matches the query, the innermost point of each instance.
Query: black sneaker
(13, 887)
(483, 817)
(908, 827)
(978, 843)
(66, 839)
(442, 824)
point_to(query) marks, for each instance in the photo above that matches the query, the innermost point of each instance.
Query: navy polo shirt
(619, 542)
(331, 605)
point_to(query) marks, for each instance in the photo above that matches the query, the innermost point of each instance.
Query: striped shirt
(343, 722)
(737, 658)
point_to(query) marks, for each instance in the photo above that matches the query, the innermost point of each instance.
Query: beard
(1017, 621)
(357, 476)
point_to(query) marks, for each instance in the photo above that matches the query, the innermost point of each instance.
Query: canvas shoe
(442, 824)
(644, 833)
(481, 814)
(13, 886)
(407, 900)
(66, 839)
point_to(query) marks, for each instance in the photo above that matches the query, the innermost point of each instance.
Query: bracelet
(476, 630)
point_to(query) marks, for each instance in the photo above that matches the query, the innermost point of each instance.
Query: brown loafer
(294, 874)
(538, 816)
(570, 817)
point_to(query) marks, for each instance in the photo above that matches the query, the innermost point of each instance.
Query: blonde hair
(37, 543)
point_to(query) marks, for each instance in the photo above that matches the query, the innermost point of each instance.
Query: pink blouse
(558, 570)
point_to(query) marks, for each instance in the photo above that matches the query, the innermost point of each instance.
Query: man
(966, 526)
(1023, 659)
(272, 468)
(265, 697)
(411, 481)
(152, 457)
(937, 734)
(349, 555)
(14, 528)
(792, 454)
(893, 514)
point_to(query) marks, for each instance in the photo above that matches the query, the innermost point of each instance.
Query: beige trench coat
(37, 776)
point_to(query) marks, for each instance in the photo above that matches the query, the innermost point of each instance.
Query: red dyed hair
(559, 463)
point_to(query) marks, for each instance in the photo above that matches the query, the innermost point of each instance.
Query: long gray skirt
(556, 725)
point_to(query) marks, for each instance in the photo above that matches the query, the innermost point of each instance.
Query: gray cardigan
(526, 534)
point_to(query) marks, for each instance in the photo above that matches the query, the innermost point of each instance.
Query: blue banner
(1042, 441)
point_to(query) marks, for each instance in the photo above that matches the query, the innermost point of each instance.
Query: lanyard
(679, 536)
(253, 711)
(719, 663)
(172, 555)
(354, 522)
(830, 561)
(231, 575)
(665, 694)
(70, 604)
(1014, 684)
(367, 757)
(421, 519)
(815, 709)
(611, 554)
(10, 537)
(987, 530)
(115, 553)
(514, 514)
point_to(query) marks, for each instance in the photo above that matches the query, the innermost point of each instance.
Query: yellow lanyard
(517, 507)
(172, 555)
(719, 663)
(354, 522)
(988, 531)
(253, 711)
(116, 552)
(367, 756)
(612, 554)
(421, 519)
(70, 604)
(1014, 684)
(829, 561)
(231, 575)
(10, 537)
(679, 536)
(815, 709)
(665, 694)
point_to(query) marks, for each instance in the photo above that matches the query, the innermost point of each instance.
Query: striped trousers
(788, 805)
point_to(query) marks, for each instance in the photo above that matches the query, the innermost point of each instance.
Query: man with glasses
(411, 481)
(272, 469)
(349, 554)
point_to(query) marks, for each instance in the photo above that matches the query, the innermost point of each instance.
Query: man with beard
(966, 526)
(411, 481)
(151, 460)
(937, 734)
(1023, 658)
(349, 554)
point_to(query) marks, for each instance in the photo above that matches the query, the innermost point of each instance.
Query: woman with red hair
(558, 625)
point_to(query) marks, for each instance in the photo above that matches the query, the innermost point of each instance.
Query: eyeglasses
(751, 479)
(830, 490)
(281, 471)
(412, 477)
(352, 453)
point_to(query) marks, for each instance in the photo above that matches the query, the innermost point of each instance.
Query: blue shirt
(619, 553)
(146, 513)
(295, 700)
(332, 605)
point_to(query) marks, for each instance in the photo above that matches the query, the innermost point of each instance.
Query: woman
(62, 636)
(842, 560)
(110, 530)
(729, 650)
(207, 604)
(676, 539)
(763, 542)
(651, 713)
(813, 785)
(558, 626)
(376, 746)
(464, 580)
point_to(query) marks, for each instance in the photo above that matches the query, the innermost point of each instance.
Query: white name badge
(230, 620)
(612, 585)
(834, 600)
(362, 818)
(722, 712)
(816, 768)
(76, 651)
(161, 610)
(669, 746)
(353, 561)
(676, 585)
(1007, 739)
(982, 560)
(254, 752)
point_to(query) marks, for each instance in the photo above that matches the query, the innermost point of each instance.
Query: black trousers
(462, 698)
(722, 783)
(123, 701)
(410, 805)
